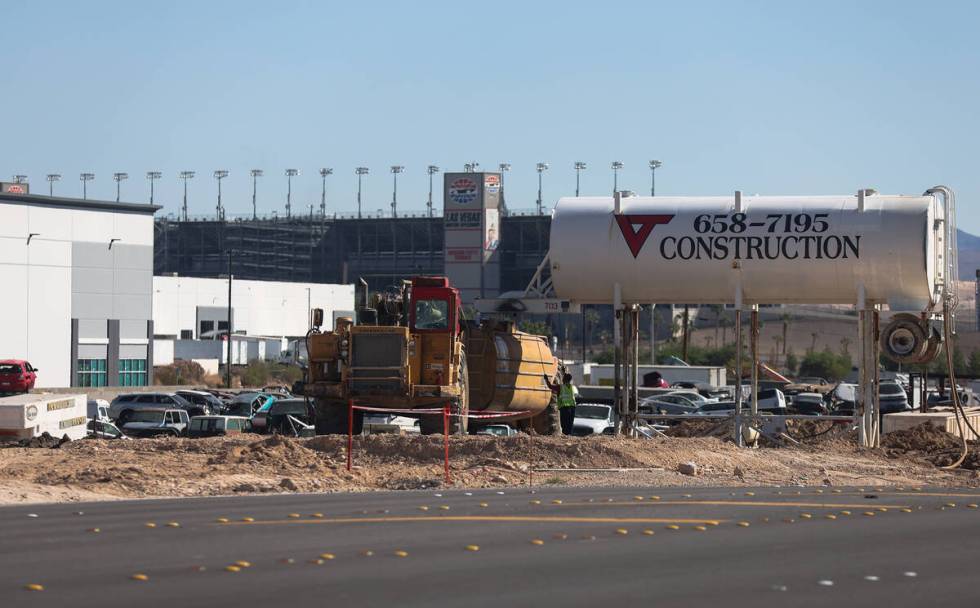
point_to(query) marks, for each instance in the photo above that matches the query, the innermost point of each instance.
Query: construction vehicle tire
(548, 422)
(331, 419)
(432, 424)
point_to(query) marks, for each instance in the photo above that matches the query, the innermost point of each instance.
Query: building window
(186, 334)
(206, 329)
(132, 372)
(92, 372)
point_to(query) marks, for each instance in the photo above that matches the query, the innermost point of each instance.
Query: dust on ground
(173, 467)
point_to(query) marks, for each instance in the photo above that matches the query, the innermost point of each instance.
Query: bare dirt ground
(104, 470)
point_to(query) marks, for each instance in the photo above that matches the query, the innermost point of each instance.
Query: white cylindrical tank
(762, 249)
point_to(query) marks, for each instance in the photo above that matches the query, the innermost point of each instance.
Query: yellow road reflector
(711, 523)
(150, 524)
(248, 520)
(484, 505)
(243, 564)
(423, 508)
(750, 493)
(222, 520)
(367, 553)
(845, 512)
(34, 587)
(139, 576)
(444, 508)
(765, 520)
(819, 491)
(317, 562)
(400, 553)
(951, 505)
(287, 560)
(622, 531)
(535, 502)
(233, 568)
(883, 509)
(559, 536)
(789, 520)
(700, 528)
(972, 505)
(327, 556)
(94, 530)
(830, 516)
(294, 515)
(805, 516)
(637, 498)
(173, 524)
(556, 501)
(472, 547)
(317, 515)
(743, 524)
(686, 496)
(906, 510)
(537, 541)
(673, 527)
(869, 513)
(654, 498)
(836, 491)
(648, 532)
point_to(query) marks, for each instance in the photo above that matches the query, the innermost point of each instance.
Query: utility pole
(185, 175)
(395, 170)
(86, 178)
(52, 178)
(360, 171)
(290, 174)
(323, 191)
(230, 326)
(431, 170)
(219, 175)
(255, 173)
(541, 168)
(616, 166)
(579, 167)
(152, 176)
(654, 165)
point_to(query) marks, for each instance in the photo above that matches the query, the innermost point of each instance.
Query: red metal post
(445, 430)
(350, 431)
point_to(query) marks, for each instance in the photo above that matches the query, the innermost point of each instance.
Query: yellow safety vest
(566, 396)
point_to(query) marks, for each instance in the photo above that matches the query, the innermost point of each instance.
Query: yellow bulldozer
(412, 349)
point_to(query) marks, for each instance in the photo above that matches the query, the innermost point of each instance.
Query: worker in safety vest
(567, 392)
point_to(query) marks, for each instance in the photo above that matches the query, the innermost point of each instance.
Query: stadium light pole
(471, 167)
(431, 170)
(256, 174)
(616, 166)
(152, 176)
(395, 170)
(20, 179)
(579, 167)
(52, 178)
(541, 168)
(290, 174)
(219, 175)
(324, 172)
(654, 165)
(185, 175)
(86, 178)
(118, 178)
(504, 168)
(360, 171)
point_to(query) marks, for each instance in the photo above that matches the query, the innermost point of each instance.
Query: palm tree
(786, 319)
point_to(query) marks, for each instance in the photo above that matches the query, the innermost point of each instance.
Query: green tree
(791, 361)
(973, 365)
(825, 365)
(537, 328)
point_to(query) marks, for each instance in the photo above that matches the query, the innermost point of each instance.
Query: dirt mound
(44, 440)
(697, 428)
(931, 444)
(816, 431)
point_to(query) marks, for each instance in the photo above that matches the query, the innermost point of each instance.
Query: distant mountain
(969, 254)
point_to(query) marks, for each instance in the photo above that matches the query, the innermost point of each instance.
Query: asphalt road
(555, 547)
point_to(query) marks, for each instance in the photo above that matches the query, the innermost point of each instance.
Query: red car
(16, 376)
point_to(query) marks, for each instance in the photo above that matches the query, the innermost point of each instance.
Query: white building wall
(266, 308)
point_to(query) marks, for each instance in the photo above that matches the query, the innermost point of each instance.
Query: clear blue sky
(766, 97)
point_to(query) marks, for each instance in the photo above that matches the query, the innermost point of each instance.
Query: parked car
(246, 404)
(17, 376)
(656, 405)
(375, 423)
(811, 404)
(497, 430)
(98, 409)
(208, 403)
(593, 419)
(771, 401)
(274, 417)
(814, 380)
(213, 426)
(892, 397)
(157, 422)
(123, 406)
(104, 429)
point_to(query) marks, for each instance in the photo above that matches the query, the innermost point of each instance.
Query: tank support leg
(738, 376)
(868, 406)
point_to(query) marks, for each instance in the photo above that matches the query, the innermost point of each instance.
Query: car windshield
(496, 430)
(592, 412)
(431, 314)
(206, 424)
(890, 388)
(9, 368)
(147, 416)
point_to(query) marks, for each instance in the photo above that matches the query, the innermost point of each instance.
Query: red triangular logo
(635, 238)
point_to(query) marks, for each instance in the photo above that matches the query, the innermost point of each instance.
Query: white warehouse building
(191, 308)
